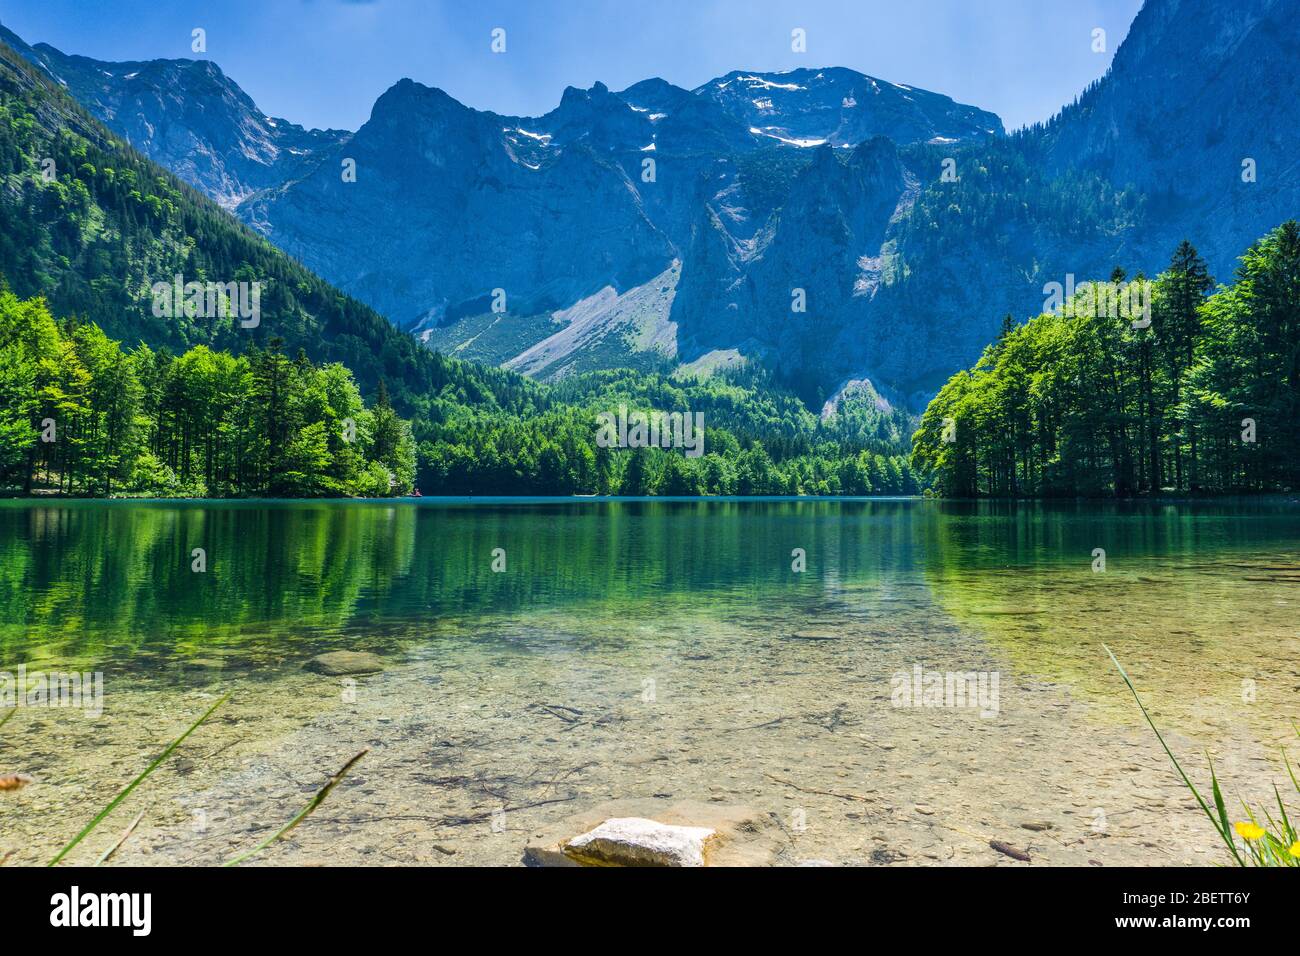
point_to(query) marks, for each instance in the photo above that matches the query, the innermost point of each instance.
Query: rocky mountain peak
(687, 217)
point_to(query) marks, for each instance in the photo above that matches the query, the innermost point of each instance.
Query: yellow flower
(1295, 849)
(1248, 831)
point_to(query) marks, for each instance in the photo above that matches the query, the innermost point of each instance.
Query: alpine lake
(541, 657)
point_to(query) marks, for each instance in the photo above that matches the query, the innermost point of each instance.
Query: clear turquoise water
(698, 596)
(109, 580)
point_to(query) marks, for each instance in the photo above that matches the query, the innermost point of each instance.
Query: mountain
(842, 107)
(582, 216)
(91, 225)
(1149, 155)
(450, 204)
(832, 226)
(187, 116)
(561, 212)
(1196, 90)
(799, 273)
(167, 403)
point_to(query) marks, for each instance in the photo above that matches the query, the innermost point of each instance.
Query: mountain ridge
(579, 215)
(192, 402)
(164, 107)
(89, 224)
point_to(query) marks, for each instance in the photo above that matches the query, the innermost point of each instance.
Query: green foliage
(767, 173)
(206, 423)
(1083, 403)
(1274, 844)
(759, 440)
(211, 424)
(1002, 191)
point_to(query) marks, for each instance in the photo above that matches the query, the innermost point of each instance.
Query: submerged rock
(636, 841)
(646, 833)
(14, 781)
(339, 663)
(1014, 852)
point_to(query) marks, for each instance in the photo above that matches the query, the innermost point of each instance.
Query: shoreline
(1270, 497)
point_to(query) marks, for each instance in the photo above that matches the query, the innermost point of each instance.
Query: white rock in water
(636, 841)
(742, 836)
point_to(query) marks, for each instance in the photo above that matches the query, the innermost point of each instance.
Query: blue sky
(324, 62)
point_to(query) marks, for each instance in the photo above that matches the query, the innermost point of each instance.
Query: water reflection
(111, 584)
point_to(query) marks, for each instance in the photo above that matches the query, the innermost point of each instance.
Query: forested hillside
(90, 225)
(759, 440)
(1091, 402)
(181, 405)
(80, 414)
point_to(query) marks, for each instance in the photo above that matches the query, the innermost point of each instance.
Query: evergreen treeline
(999, 190)
(556, 454)
(81, 415)
(759, 440)
(1203, 400)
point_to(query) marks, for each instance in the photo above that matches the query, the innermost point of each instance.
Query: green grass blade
(1225, 823)
(305, 812)
(1224, 831)
(1281, 808)
(99, 817)
(9, 716)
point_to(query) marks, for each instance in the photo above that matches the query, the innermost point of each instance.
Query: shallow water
(663, 650)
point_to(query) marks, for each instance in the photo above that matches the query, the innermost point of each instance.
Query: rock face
(652, 833)
(451, 204)
(187, 116)
(635, 841)
(823, 243)
(341, 663)
(844, 107)
(1178, 115)
(622, 226)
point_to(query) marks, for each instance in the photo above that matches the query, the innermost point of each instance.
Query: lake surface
(661, 650)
